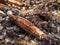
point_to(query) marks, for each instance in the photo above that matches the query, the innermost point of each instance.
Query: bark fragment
(2, 6)
(27, 26)
(15, 2)
(3, 1)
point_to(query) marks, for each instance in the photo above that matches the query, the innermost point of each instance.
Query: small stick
(3, 1)
(47, 17)
(2, 6)
(27, 26)
(15, 2)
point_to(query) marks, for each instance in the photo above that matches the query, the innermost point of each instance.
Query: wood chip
(28, 26)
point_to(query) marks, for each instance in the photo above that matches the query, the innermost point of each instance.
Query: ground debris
(45, 15)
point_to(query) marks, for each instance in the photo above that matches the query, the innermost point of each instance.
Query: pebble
(19, 14)
(1, 19)
(14, 27)
(37, 2)
(27, 17)
(9, 28)
(1, 36)
(13, 5)
(4, 33)
(54, 12)
(21, 35)
(12, 41)
(9, 5)
(45, 22)
(59, 12)
(58, 20)
(53, 25)
(58, 28)
(56, 35)
(0, 24)
(23, 8)
(46, 8)
(1, 27)
(7, 40)
(26, 38)
(2, 12)
(7, 18)
(50, 35)
(9, 12)
(33, 42)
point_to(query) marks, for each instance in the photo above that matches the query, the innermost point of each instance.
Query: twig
(27, 26)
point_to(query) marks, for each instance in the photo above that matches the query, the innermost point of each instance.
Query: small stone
(0, 24)
(32, 2)
(23, 8)
(53, 25)
(12, 41)
(9, 5)
(27, 17)
(5, 0)
(4, 33)
(37, 2)
(7, 40)
(1, 27)
(9, 12)
(9, 28)
(50, 35)
(58, 20)
(33, 42)
(45, 22)
(58, 37)
(26, 37)
(59, 12)
(54, 12)
(19, 7)
(46, 8)
(13, 5)
(58, 28)
(19, 13)
(21, 35)
(1, 36)
(14, 27)
(7, 18)
(2, 12)
(1, 19)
